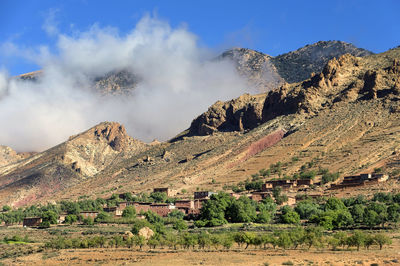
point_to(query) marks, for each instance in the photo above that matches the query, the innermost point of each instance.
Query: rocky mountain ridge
(346, 79)
(261, 71)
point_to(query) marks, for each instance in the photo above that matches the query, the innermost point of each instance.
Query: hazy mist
(178, 81)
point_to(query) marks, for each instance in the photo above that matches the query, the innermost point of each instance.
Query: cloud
(178, 81)
(50, 25)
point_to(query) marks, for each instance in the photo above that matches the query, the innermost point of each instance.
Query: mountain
(345, 118)
(261, 71)
(80, 157)
(267, 72)
(298, 65)
(256, 67)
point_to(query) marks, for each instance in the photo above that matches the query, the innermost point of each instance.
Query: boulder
(146, 232)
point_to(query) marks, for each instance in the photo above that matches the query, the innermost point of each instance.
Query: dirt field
(124, 256)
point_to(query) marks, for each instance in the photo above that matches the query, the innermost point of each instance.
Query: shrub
(176, 214)
(129, 212)
(6, 208)
(290, 217)
(382, 240)
(88, 221)
(44, 224)
(180, 225)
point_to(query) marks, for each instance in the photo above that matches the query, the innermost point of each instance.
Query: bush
(88, 221)
(180, 225)
(357, 239)
(6, 208)
(153, 217)
(44, 224)
(176, 214)
(382, 240)
(103, 217)
(129, 212)
(289, 216)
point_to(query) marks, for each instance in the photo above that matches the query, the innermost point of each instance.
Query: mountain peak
(298, 65)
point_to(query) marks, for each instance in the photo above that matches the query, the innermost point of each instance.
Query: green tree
(153, 217)
(139, 241)
(297, 236)
(284, 240)
(204, 240)
(357, 212)
(393, 212)
(313, 236)
(263, 217)
(88, 221)
(44, 224)
(159, 196)
(180, 225)
(289, 216)
(50, 216)
(70, 219)
(176, 214)
(129, 212)
(382, 240)
(334, 204)
(248, 238)
(306, 209)
(6, 208)
(154, 241)
(357, 239)
(369, 241)
(103, 217)
(241, 211)
(371, 218)
(227, 241)
(212, 212)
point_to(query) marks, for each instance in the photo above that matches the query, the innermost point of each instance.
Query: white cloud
(178, 82)
(50, 25)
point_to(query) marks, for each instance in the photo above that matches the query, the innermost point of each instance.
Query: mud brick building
(32, 221)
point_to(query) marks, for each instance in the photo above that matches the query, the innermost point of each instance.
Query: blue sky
(273, 27)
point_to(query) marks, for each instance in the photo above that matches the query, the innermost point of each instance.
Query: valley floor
(124, 256)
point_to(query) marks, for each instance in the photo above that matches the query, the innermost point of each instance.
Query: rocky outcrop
(146, 232)
(115, 135)
(239, 114)
(116, 82)
(8, 155)
(91, 151)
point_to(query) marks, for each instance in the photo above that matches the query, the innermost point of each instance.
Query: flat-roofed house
(32, 221)
(163, 190)
(203, 194)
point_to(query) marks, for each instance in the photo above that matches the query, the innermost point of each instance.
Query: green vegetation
(222, 208)
(296, 238)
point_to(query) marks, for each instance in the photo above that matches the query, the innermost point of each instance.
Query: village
(192, 207)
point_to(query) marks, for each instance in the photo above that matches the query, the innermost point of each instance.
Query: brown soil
(123, 256)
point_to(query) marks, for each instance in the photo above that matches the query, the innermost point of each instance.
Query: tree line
(294, 239)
